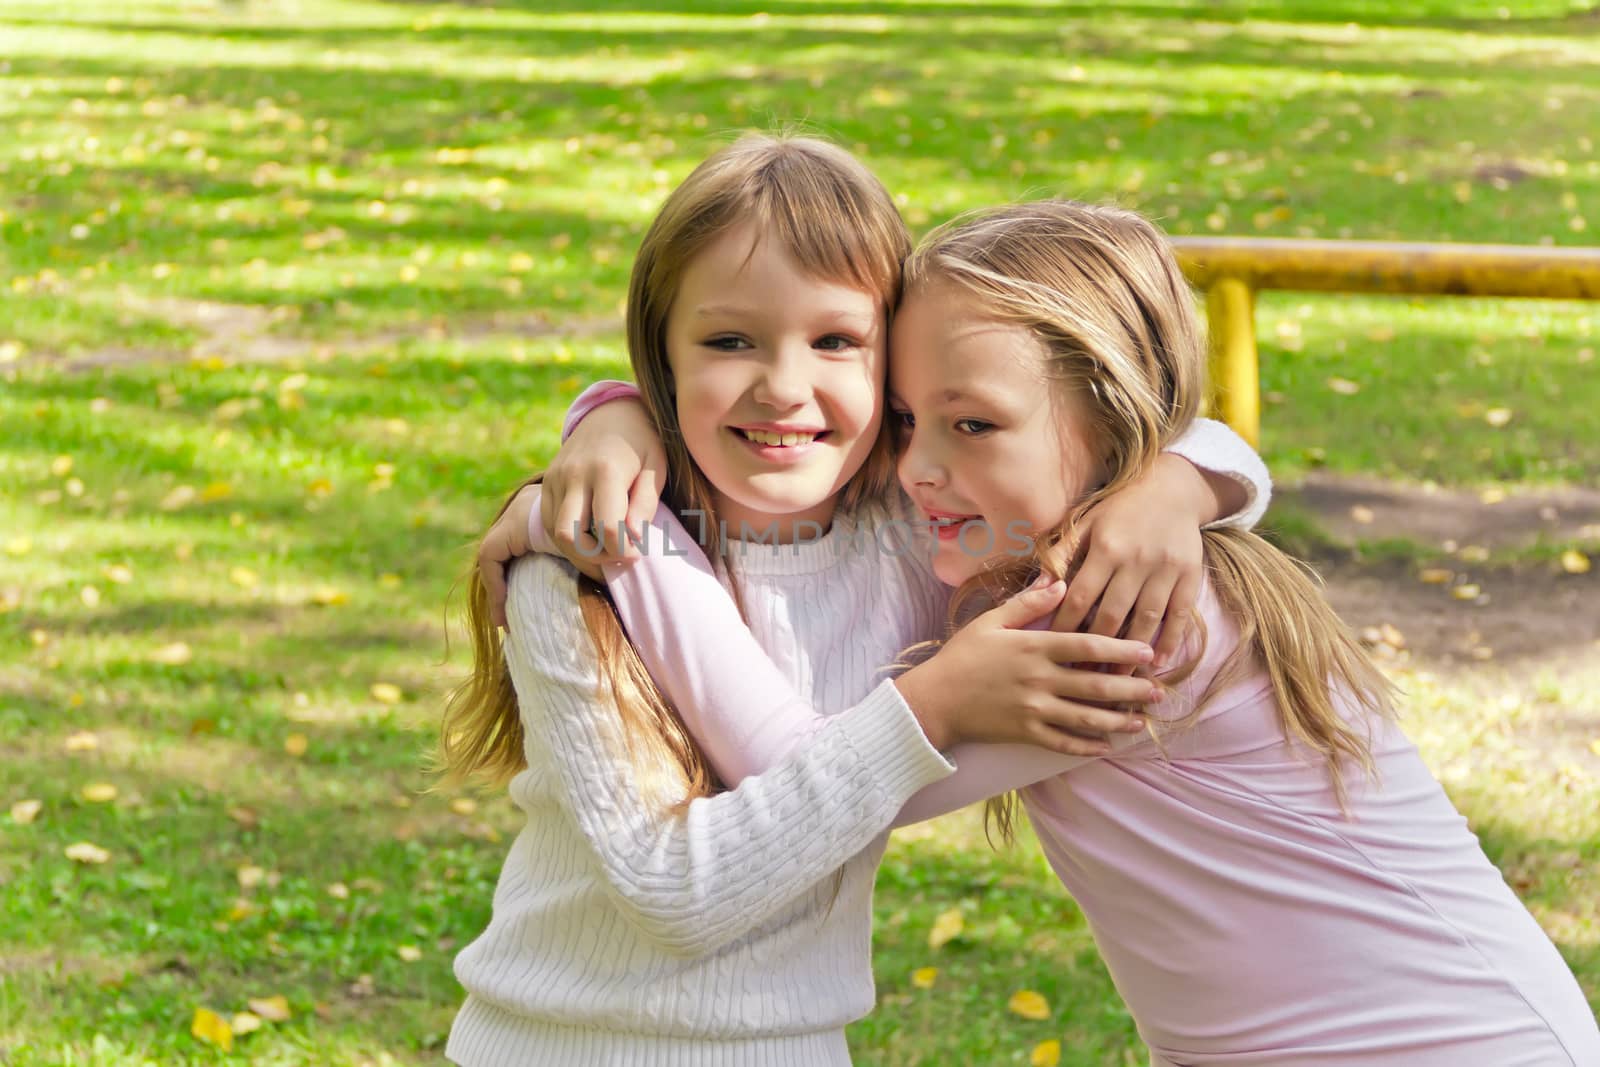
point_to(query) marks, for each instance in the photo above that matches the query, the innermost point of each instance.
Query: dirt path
(1532, 635)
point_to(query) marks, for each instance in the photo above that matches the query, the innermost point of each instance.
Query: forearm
(1230, 467)
(695, 878)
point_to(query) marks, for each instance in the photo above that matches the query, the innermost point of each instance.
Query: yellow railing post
(1235, 373)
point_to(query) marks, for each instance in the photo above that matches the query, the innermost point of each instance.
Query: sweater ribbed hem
(486, 1036)
(886, 732)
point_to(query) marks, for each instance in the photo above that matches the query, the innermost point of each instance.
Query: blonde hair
(839, 224)
(1099, 288)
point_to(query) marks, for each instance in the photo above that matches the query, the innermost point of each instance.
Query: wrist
(921, 694)
(1196, 490)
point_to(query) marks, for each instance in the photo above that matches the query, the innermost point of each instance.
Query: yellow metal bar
(1386, 267)
(1235, 370)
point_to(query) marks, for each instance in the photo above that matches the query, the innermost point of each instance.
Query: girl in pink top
(1271, 873)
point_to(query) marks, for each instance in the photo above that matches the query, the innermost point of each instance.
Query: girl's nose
(918, 466)
(785, 383)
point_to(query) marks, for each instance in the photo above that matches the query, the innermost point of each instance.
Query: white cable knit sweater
(623, 937)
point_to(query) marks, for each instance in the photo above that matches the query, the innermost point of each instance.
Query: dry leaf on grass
(1028, 1004)
(946, 928)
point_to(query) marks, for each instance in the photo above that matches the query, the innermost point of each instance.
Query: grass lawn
(291, 293)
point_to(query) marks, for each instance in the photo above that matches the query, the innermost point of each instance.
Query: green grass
(410, 226)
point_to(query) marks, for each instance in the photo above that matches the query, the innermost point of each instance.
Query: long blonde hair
(1099, 288)
(836, 220)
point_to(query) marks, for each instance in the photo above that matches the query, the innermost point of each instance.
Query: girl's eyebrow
(707, 311)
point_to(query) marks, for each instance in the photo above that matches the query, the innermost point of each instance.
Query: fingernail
(1042, 581)
(1134, 726)
(1157, 694)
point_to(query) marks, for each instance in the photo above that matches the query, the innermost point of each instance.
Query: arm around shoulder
(1216, 449)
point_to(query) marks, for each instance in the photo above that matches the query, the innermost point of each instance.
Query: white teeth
(783, 440)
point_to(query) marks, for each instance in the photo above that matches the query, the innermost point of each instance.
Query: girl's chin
(952, 566)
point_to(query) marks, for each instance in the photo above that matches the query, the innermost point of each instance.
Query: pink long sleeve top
(1244, 918)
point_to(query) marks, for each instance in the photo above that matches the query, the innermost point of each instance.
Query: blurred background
(292, 293)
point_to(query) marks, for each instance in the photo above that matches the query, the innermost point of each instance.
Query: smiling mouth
(772, 439)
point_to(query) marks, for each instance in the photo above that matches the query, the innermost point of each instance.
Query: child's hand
(608, 476)
(995, 681)
(1143, 558)
(506, 540)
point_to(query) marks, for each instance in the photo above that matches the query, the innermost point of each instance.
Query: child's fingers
(1151, 606)
(1099, 688)
(610, 510)
(1092, 648)
(1122, 592)
(1067, 744)
(1026, 606)
(1083, 591)
(643, 500)
(1180, 617)
(572, 530)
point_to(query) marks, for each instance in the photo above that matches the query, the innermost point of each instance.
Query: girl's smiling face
(991, 448)
(778, 379)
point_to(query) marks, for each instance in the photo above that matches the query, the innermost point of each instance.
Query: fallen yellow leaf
(179, 497)
(82, 741)
(216, 491)
(389, 580)
(320, 487)
(296, 745)
(1344, 386)
(1497, 417)
(924, 977)
(1046, 1054)
(1474, 554)
(61, 466)
(328, 596)
(212, 1028)
(90, 596)
(272, 1009)
(25, 811)
(98, 793)
(387, 693)
(245, 1022)
(463, 805)
(174, 655)
(946, 928)
(1468, 591)
(119, 574)
(244, 577)
(1028, 1004)
(409, 953)
(84, 852)
(1362, 514)
(250, 876)
(1435, 575)
(1575, 562)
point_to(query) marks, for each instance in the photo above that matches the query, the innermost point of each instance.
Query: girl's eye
(834, 342)
(902, 421)
(727, 343)
(973, 427)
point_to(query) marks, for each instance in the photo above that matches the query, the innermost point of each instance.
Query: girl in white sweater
(644, 916)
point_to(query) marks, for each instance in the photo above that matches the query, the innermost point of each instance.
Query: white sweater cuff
(883, 729)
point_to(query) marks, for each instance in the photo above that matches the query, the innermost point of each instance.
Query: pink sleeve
(601, 392)
(739, 707)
